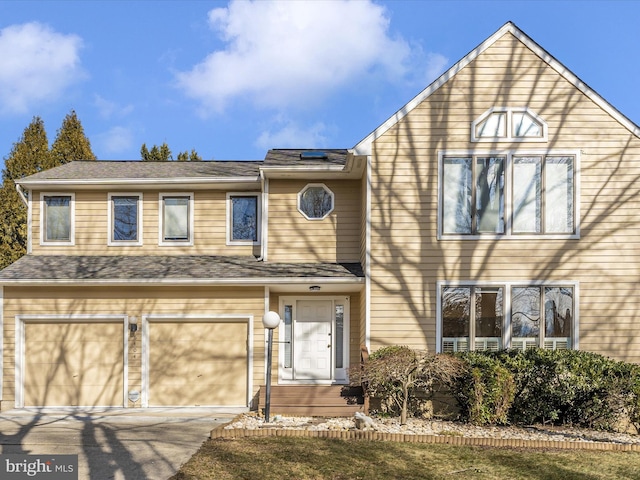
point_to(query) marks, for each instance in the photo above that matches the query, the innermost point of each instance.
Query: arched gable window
(509, 124)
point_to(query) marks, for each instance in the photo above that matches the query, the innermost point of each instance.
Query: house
(497, 209)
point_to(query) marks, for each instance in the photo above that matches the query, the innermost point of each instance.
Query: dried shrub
(398, 375)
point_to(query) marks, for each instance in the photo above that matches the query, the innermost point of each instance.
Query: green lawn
(312, 458)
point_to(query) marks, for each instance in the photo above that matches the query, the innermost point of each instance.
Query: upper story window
(502, 124)
(125, 219)
(243, 218)
(315, 201)
(57, 218)
(508, 195)
(176, 219)
(478, 316)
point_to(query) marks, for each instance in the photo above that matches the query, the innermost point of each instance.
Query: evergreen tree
(163, 154)
(189, 157)
(71, 142)
(156, 154)
(28, 156)
(31, 155)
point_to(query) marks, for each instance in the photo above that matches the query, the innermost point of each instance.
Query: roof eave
(245, 282)
(305, 171)
(118, 182)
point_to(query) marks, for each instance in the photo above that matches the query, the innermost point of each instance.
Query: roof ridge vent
(313, 155)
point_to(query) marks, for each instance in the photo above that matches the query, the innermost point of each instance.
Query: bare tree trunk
(405, 401)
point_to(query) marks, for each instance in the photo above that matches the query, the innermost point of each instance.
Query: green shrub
(553, 386)
(485, 390)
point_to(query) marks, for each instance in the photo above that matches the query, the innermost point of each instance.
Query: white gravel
(416, 426)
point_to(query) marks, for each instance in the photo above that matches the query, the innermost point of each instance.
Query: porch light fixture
(271, 320)
(133, 324)
(314, 288)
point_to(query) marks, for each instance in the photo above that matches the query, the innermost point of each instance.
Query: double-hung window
(176, 219)
(507, 194)
(125, 219)
(57, 218)
(516, 315)
(243, 219)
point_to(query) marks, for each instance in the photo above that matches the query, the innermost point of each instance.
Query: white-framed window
(125, 219)
(243, 218)
(57, 218)
(509, 124)
(498, 315)
(175, 218)
(508, 194)
(315, 201)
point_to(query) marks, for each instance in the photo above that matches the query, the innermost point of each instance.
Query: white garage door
(197, 364)
(73, 364)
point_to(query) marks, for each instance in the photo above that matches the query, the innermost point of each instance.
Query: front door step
(313, 400)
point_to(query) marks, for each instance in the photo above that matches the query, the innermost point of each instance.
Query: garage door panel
(70, 332)
(211, 369)
(197, 331)
(192, 395)
(73, 395)
(79, 355)
(74, 364)
(201, 363)
(202, 350)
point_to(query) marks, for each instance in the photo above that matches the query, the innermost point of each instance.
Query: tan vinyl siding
(354, 329)
(131, 301)
(408, 259)
(92, 232)
(293, 238)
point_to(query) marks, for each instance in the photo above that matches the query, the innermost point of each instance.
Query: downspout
(264, 207)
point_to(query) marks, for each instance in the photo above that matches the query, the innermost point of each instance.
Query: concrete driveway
(115, 443)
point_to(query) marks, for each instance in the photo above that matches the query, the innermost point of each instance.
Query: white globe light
(271, 320)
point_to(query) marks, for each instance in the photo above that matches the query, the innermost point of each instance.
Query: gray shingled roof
(217, 269)
(116, 170)
(131, 170)
(292, 158)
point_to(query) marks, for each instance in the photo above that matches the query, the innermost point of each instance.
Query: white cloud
(107, 108)
(291, 135)
(284, 53)
(36, 64)
(115, 141)
(436, 65)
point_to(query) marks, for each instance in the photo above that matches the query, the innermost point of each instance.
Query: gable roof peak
(364, 147)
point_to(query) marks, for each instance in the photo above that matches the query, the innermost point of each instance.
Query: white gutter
(254, 282)
(138, 181)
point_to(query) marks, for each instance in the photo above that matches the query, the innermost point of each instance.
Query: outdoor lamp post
(270, 321)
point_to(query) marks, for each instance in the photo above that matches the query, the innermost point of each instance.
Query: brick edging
(221, 432)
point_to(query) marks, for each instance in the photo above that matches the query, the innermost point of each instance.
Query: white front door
(312, 340)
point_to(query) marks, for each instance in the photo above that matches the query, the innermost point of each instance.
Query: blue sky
(233, 79)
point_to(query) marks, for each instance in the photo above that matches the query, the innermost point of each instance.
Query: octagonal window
(315, 201)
